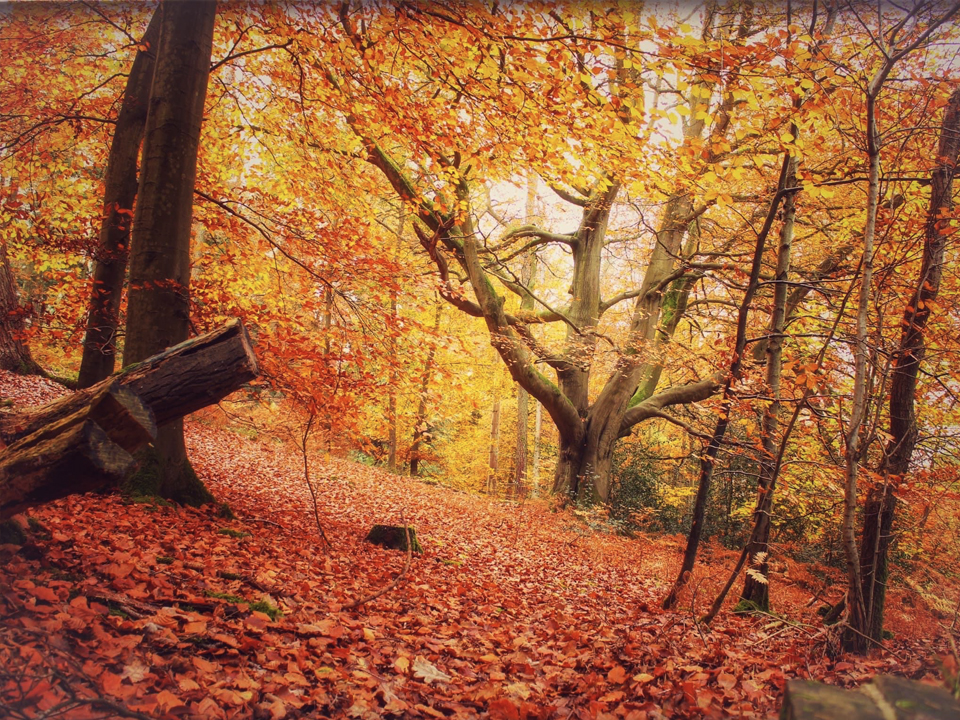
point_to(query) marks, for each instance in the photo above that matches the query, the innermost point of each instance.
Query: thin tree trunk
(856, 637)
(528, 277)
(709, 458)
(420, 421)
(756, 588)
(14, 353)
(392, 388)
(159, 305)
(494, 447)
(120, 191)
(880, 509)
(535, 460)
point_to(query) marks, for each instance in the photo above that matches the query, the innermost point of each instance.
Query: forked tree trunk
(120, 191)
(158, 312)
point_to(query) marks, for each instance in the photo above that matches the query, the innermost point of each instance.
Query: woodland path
(512, 611)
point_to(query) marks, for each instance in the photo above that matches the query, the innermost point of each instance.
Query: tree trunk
(494, 460)
(756, 588)
(14, 354)
(420, 421)
(528, 277)
(77, 450)
(158, 312)
(394, 379)
(880, 509)
(180, 380)
(535, 460)
(709, 458)
(120, 191)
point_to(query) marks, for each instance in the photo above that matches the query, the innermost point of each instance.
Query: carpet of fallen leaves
(120, 609)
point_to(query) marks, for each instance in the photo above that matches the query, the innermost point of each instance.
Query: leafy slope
(117, 609)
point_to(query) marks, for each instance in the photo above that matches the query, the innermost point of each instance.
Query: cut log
(886, 698)
(180, 380)
(49, 465)
(125, 419)
(85, 440)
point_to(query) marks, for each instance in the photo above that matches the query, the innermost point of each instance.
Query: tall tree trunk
(528, 277)
(420, 421)
(856, 637)
(392, 384)
(14, 353)
(756, 588)
(535, 460)
(494, 460)
(709, 458)
(120, 191)
(159, 305)
(880, 509)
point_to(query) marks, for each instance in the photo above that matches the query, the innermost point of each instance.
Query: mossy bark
(164, 471)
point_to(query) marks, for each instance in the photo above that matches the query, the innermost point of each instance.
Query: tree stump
(394, 537)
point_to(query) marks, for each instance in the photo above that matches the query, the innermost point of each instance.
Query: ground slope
(123, 609)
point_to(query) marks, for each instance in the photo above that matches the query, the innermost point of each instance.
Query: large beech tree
(158, 313)
(474, 273)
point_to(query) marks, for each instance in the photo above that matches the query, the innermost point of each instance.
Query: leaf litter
(512, 611)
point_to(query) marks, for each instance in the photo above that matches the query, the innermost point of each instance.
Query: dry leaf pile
(120, 609)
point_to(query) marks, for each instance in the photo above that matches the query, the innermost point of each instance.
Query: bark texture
(880, 509)
(158, 313)
(174, 383)
(77, 450)
(14, 353)
(120, 192)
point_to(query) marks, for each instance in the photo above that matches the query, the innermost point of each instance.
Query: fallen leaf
(427, 672)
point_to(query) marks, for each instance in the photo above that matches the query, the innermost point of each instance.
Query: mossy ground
(11, 533)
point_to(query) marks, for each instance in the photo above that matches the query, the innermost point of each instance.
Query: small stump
(393, 537)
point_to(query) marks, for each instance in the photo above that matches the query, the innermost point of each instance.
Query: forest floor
(122, 609)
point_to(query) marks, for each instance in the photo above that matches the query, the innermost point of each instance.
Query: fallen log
(176, 382)
(73, 456)
(85, 440)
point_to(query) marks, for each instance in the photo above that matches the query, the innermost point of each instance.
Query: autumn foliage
(583, 269)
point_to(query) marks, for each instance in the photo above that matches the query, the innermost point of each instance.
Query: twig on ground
(693, 612)
(306, 476)
(268, 522)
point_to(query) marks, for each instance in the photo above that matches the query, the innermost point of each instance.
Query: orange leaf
(617, 675)
(167, 700)
(503, 709)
